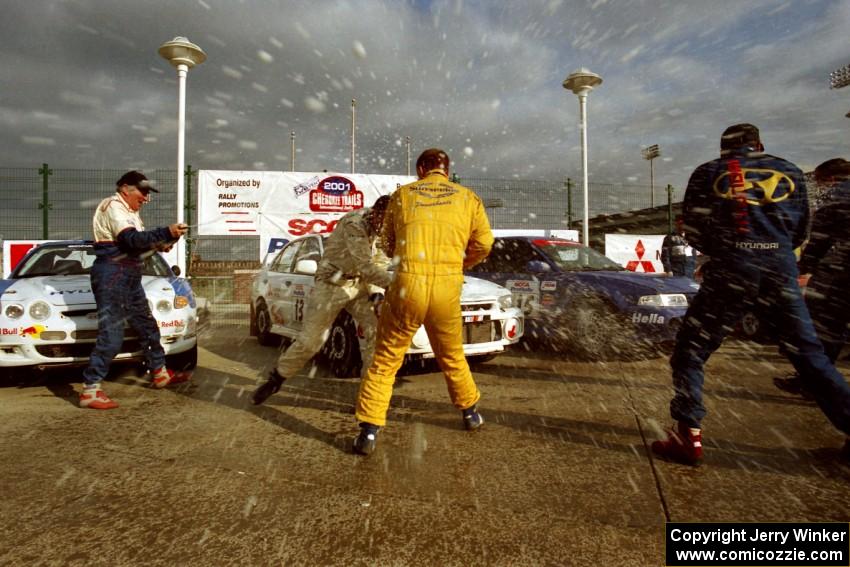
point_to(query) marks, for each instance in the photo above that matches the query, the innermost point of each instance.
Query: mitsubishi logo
(758, 186)
(647, 266)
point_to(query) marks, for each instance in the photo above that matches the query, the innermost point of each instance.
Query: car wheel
(595, 331)
(182, 361)
(751, 327)
(264, 327)
(342, 348)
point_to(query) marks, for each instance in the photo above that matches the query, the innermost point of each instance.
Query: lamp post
(650, 154)
(292, 150)
(353, 126)
(581, 82)
(183, 55)
(407, 144)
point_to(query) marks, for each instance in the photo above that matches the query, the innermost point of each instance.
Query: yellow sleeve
(480, 238)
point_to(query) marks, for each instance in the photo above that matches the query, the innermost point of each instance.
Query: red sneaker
(683, 445)
(161, 377)
(95, 398)
(179, 377)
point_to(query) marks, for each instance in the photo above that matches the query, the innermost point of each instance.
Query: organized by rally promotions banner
(636, 252)
(279, 206)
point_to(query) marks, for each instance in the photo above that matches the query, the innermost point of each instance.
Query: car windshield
(572, 257)
(75, 259)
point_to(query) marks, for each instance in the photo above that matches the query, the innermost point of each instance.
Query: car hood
(631, 282)
(476, 289)
(72, 290)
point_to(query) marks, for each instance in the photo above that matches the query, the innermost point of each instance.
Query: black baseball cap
(137, 179)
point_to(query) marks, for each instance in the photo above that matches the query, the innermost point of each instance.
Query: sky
(84, 86)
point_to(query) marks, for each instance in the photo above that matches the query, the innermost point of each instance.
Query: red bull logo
(33, 331)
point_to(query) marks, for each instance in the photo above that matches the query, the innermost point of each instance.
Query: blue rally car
(576, 299)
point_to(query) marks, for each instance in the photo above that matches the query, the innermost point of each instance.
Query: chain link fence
(58, 203)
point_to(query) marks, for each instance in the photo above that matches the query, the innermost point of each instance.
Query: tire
(342, 349)
(595, 331)
(751, 326)
(182, 361)
(264, 326)
(252, 322)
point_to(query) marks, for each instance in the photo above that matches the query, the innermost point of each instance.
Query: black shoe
(367, 439)
(269, 387)
(792, 384)
(472, 420)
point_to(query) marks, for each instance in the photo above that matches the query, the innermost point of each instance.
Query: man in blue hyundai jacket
(747, 211)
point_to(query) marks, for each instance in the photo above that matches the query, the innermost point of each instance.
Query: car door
(279, 295)
(302, 284)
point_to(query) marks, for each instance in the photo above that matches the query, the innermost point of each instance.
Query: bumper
(69, 343)
(485, 331)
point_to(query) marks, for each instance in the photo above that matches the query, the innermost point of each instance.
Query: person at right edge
(827, 258)
(434, 229)
(747, 211)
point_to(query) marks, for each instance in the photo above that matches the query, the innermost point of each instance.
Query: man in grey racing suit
(352, 275)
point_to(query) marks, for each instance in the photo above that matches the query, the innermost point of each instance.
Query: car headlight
(14, 311)
(181, 301)
(506, 301)
(40, 310)
(664, 300)
(163, 306)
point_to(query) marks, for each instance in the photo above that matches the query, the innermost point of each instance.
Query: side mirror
(306, 267)
(176, 269)
(537, 267)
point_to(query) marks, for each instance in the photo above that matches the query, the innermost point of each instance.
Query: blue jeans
(829, 306)
(120, 298)
(730, 286)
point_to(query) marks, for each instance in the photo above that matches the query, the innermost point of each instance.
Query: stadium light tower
(650, 154)
(840, 78)
(581, 82)
(182, 54)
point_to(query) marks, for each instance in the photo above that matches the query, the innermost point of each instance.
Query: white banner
(636, 252)
(277, 204)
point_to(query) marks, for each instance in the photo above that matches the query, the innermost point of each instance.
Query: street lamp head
(181, 51)
(582, 81)
(651, 152)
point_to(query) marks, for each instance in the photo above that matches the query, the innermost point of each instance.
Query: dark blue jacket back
(746, 201)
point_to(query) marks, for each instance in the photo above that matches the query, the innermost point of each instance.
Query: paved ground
(559, 475)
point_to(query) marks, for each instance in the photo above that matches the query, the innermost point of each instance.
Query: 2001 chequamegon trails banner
(279, 206)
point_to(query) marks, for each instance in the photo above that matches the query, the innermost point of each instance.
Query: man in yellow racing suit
(433, 230)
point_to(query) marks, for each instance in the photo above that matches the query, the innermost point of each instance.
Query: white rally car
(48, 315)
(280, 290)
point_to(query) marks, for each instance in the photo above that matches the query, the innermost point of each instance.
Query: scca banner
(284, 204)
